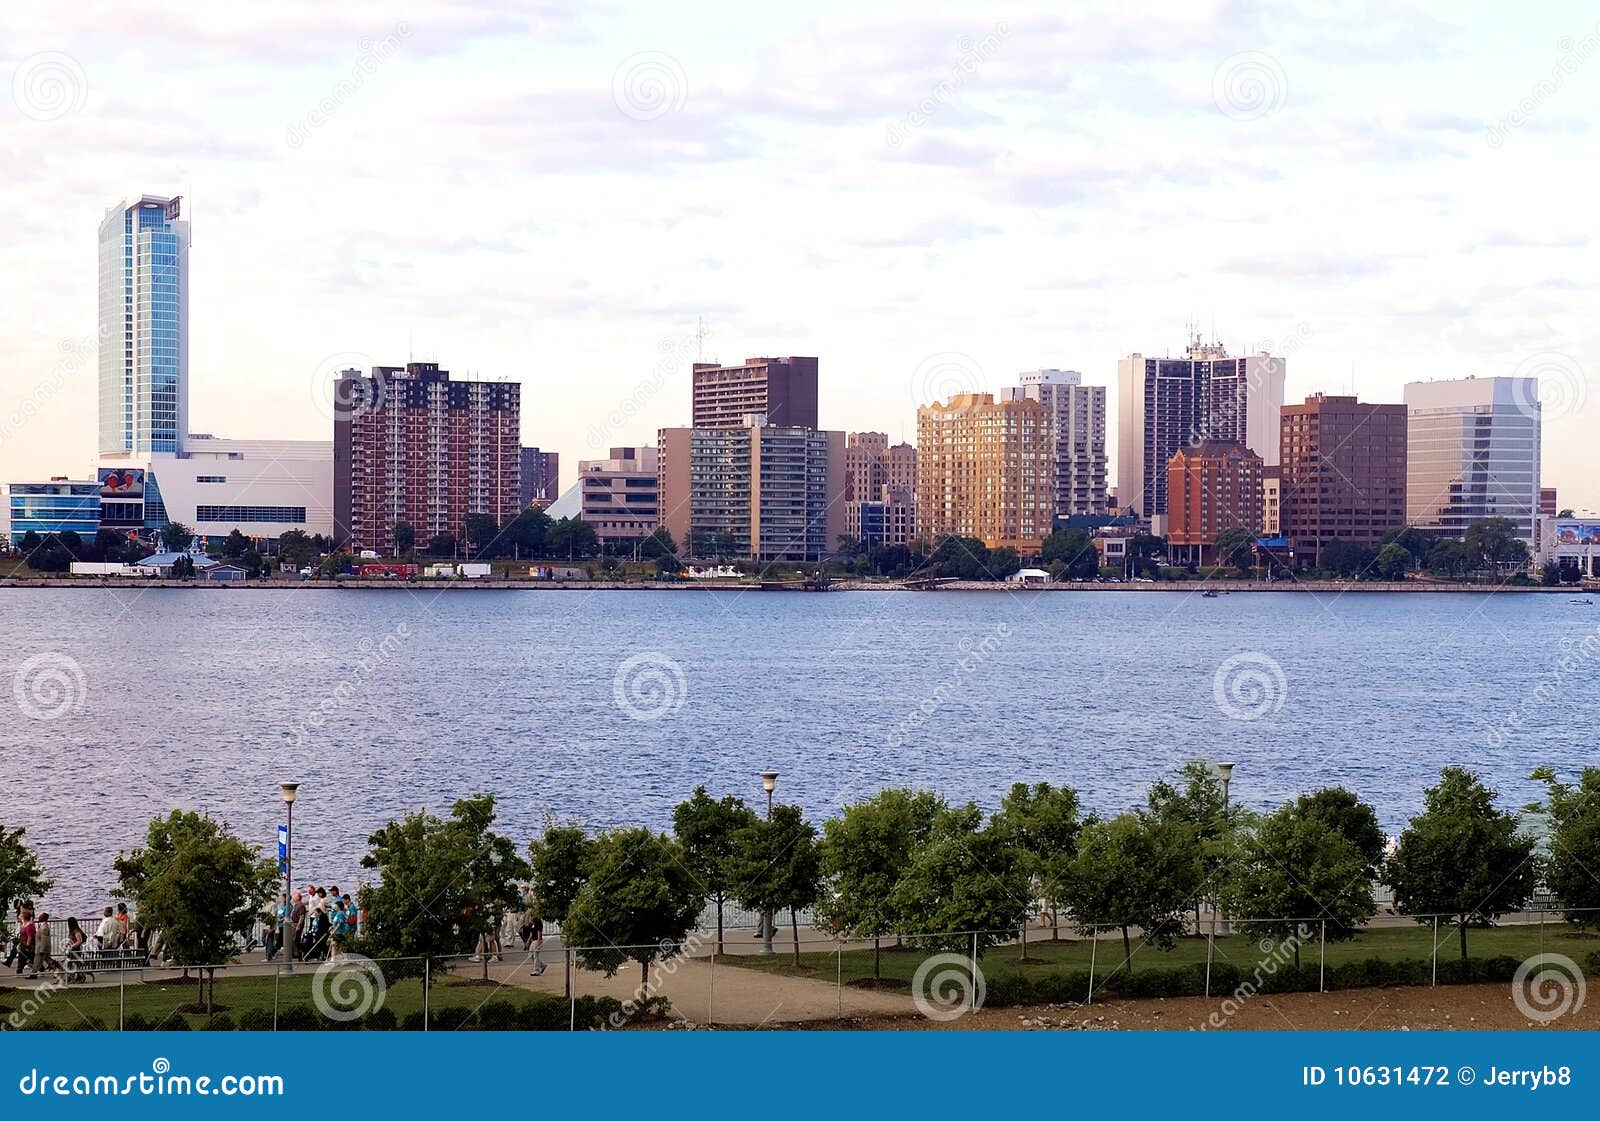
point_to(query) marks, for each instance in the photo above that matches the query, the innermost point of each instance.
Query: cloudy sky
(928, 199)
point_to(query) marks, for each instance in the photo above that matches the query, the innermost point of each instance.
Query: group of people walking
(33, 946)
(320, 920)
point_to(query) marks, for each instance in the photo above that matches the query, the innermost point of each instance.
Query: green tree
(1450, 558)
(1461, 857)
(482, 531)
(774, 865)
(1550, 574)
(965, 882)
(1236, 546)
(637, 903)
(1041, 823)
(558, 867)
(1133, 870)
(441, 882)
(1199, 807)
(1075, 551)
(1297, 872)
(200, 885)
(1352, 818)
(1003, 562)
(572, 538)
(1393, 561)
(1412, 540)
(865, 852)
(405, 538)
(1493, 543)
(441, 545)
(706, 827)
(296, 549)
(1346, 558)
(234, 545)
(176, 536)
(21, 877)
(659, 545)
(1574, 844)
(527, 532)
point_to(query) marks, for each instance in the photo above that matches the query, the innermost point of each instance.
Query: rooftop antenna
(700, 339)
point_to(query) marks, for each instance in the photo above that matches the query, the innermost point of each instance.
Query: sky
(584, 198)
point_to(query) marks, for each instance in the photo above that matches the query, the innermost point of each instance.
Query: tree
(1550, 574)
(1133, 870)
(1393, 561)
(637, 903)
(1574, 842)
(1003, 562)
(1199, 807)
(405, 538)
(572, 538)
(200, 885)
(441, 545)
(966, 882)
(1493, 543)
(1074, 548)
(1294, 866)
(527, 531)
(176, 536)
(234, 545)
(706, 828)
(1352, 819)
(296, 549)
(1041, 823)
(441, 882)
(558, 864)
(659, 545)
(774, 865)
(1461, 857)
(1412, 540)
(1346, 558)
(21, 877)
(481, 532)
(964, 558)
(111, 546)
(865, 852)
(50, 555)
(1236, 546)
(1145, 554)
(1450, 558)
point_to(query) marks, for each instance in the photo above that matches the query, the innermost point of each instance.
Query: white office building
(1078, 422)
(1472, 451)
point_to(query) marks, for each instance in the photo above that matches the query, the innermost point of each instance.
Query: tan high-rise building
(1344, 472)
(1271, 501)
(985, 469)
(1078, 412)
(1213, 486)
(784, 390)
(870, 465)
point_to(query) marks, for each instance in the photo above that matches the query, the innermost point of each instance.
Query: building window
(285, 514)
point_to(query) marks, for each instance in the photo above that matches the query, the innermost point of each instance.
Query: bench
(107, 961)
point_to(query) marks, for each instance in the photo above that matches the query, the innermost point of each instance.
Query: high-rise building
(767, 492)
(1548, 505)
(1343, 469)
(1165, 404)
(870, 465)
(619, 496)
(540, 480)
(1272, 501)
(1472, 451)
(1078, 416)
(410, 445)
(144, 327)
(985, 469)
(784, 390)
(890, 519)
(1211, 487)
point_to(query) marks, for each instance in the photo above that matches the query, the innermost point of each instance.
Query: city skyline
(911, 246)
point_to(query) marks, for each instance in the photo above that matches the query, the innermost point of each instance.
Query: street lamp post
(769, 782)
(286, 931)
(1225, 772)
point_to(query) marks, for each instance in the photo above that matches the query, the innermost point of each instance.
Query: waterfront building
(1078, 418)
(1165, 404)
(986, 469)
(1548, 505)
(871, 467)
(1212, 487)
(620, 496)
(1472, 451)
(539, 482)
(56, 506)
(1271, 501)
(763, 491)
(1343, 467)
(784, 390)
(411, 445)
(144, 327)
(889, 520)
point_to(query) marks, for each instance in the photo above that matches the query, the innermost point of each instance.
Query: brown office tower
(986, 469)
(784, 390)
(1213, 486)
(541, 478)
(1344, 472)
(410, 445)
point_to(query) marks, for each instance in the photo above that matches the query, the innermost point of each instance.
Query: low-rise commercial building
(54, 506)
(620, 496)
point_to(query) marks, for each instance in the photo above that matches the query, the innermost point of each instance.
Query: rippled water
(205, 699)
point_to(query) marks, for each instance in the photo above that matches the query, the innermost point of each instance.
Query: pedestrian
(108, 934)
(277, 924)
(26, 932)
(536, 939)
(338, 925)
(297, 924)
(42, 948)
(76, 941)
(125, 926)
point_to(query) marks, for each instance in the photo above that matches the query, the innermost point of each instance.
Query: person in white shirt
(109, 933)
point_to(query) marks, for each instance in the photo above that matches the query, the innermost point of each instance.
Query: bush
(133, 1021)
(298, 1018)
(88, 1023)
(255, 1019)
(220, 1022)
(450, 1019)
(175, 1022)
(498, 1015)
(382, 1019)
(543, 1013)
(414, 1021)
